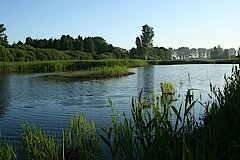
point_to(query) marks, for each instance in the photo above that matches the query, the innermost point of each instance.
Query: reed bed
(66, 65)
(96, 73)
(6, 150)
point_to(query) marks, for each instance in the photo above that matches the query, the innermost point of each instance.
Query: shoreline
(73, 65)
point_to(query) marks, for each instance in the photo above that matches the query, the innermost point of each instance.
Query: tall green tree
(3, 36)
(78, 44)
(29, 41)
(225, 54)
(66, 42)
(215, 53)
(89, 45)
(145, 42)
(100, 44)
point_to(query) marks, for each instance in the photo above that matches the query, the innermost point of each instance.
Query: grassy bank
(195, 61)
(95, 73)
(74, 65)
(156, 130)
(65, 65)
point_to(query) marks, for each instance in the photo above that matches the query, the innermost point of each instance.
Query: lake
(49, 103)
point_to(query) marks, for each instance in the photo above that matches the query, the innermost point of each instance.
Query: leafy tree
(215, 53)
(183, 52)
(5, 55)
(78, 44)
(66, 42)
(145, 42)
(29, 41)
(3, 36)
(202, 52)
(226, 53)
(110, 48)
(89, 45)
(162, 53)
(100, 44)
(138, 44)
(238, 53)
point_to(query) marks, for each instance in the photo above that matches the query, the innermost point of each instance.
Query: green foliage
(217, 52)
(89, 45)
(6, 151)
(37, 145)
(69, 65)
(81, 141)
(167, 88)
(162, 53)
(5, 55)
(96, 73)
(145, 42)
(3, 37)
(150, 133)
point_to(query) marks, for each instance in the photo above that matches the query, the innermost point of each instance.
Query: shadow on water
(4, 95)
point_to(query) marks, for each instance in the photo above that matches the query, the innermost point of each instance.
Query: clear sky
(176, 23)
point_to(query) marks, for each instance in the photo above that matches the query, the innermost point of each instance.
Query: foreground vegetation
(156, 130)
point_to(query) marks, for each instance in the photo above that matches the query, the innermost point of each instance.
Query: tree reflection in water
(4, 94)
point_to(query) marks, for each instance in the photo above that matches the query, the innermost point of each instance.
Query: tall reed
(37, 145)
(6, 150)
(80, 140)
(66, 65)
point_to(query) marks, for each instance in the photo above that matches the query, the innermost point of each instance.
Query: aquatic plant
(36, 144)
(6, 150)
(80, 141)
(96, 73)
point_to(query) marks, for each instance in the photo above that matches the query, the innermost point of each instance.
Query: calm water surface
(49, 103)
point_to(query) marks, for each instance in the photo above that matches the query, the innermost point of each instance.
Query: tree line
(89, 48)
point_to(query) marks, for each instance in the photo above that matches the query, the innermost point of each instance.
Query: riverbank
(74, 65)
(194, 61)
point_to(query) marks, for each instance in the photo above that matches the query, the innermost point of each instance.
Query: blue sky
(176, 23)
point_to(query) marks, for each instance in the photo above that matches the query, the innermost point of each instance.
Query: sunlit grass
(36, 144)
(98, 72)
(66, 65)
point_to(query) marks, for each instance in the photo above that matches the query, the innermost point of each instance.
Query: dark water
(49, 103)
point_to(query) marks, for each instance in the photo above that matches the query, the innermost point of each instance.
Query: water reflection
(4, 95)
(145, 79)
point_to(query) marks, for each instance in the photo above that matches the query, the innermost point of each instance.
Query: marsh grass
(6, 150)
(80, 140)
(37, 145)
(96, 73)
(66, 65)
(150, 132)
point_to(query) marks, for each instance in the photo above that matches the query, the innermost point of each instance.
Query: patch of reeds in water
(6, 150)
(79, 141)
(96, 73)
